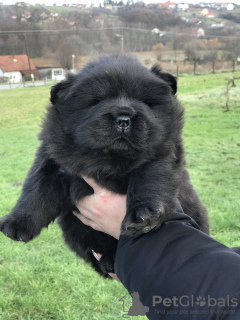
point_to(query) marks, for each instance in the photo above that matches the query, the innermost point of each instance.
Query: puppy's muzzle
(123, 122)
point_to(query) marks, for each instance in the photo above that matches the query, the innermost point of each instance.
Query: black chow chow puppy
(119, 123)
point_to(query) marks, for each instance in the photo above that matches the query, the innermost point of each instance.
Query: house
(218, 25)
(169, 5)
(200, 33)
(20, 4)
(100, 20)
(108, 6)
(87, 5)
(58, 74)
(16, 67)
(230, 7)
(183, 6)
(210, 15)
(52, 72)
(204, 12)
(226, 6)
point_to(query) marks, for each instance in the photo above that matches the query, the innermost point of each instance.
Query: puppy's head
(117, 106)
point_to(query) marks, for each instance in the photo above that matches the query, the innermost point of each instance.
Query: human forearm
(172, 267)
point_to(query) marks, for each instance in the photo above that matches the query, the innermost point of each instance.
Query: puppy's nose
(123, 122)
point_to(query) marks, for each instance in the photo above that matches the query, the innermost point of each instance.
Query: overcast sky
(98, 1)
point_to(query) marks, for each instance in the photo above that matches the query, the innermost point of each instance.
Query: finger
(114, 276)
(87, 205)
(82, 218)
(92, 183)
(87, 221)
(84, 212)
(96, 255)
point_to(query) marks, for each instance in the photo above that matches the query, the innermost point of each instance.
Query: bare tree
(64, 54)
(193, 52)
(233, 52)
(158, 49)
(212, 54)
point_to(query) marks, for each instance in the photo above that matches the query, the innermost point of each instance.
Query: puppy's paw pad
(142, 220)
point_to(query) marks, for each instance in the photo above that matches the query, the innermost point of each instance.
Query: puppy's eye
(149, 102)
(94, 101)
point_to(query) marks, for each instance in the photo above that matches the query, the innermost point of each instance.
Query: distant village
(111, 5)
(207, 10)
(52, 39)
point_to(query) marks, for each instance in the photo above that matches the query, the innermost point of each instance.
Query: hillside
(56, 32)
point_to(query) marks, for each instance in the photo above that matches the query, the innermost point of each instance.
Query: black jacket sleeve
(178, 272)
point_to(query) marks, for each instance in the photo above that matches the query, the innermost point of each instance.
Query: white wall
(13, 77)
(230, 7)
(58, 74)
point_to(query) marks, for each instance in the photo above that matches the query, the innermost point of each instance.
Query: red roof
(163, 4)
(166, 4)
(16, 63)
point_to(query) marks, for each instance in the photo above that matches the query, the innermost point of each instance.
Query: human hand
(103, 210)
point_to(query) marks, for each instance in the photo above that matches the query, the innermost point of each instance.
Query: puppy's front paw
(142, 220)
(18, 228)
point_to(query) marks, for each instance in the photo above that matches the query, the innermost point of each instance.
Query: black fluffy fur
(121, 124)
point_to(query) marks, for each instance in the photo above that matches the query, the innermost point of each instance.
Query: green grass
(43, 279)
(65, 10)
(212, 143)
(203, 83)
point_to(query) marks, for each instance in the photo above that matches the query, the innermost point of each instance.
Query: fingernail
(75, 212)
(95, 255)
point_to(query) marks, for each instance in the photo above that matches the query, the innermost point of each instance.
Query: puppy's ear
(170, 79)
(59, 90)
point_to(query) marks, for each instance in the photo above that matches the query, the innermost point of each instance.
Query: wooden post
(26, 43)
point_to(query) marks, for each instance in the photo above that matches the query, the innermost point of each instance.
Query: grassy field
(43, 279)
